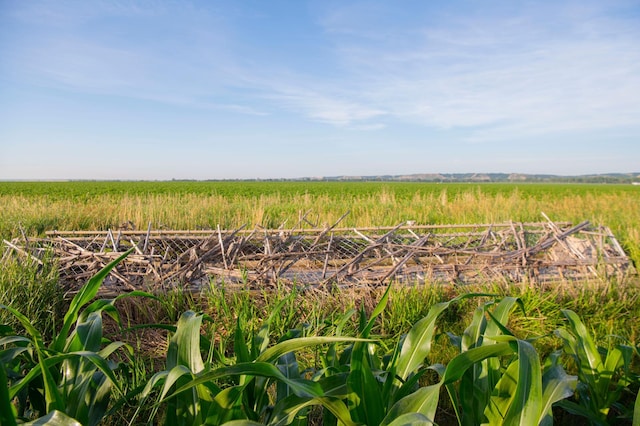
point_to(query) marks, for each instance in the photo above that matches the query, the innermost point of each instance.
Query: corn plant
(71, 379)
(603, 373)
(385, 390)
(483, 391)
(196, 393)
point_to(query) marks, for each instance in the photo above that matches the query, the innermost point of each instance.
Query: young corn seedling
(603, 373)
(487, 392)
(385, 391)
(192, 392)
(72, 378)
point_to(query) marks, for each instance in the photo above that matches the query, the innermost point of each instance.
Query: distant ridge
(486, 177)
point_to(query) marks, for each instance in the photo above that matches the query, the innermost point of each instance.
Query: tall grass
(33, 289)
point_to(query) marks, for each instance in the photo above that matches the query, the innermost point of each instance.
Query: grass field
(42, 206)
(609, 310)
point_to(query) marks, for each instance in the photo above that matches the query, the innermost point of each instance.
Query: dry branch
(509, 251)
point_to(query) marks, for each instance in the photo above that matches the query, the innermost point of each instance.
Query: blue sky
(266, 89)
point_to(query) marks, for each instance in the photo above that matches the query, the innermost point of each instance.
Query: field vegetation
(42, 206)
(456, 354)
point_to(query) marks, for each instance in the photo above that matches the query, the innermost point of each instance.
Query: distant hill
(489, 177)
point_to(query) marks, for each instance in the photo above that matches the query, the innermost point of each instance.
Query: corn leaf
(276, 351)
(411, 419)
(53, 398)
(226, 405)
(7, 415)
(584, 349)
(424, 401)
(472, 335)
(364, 390)
(613, 361)
(636, 411)
(417, 344)
(184, 346)
(288, 366)
(54, 418)
(84, 296)
(503, 395)
(556, 386)
(460, 363)
(335, 385)
(285, 411)
(517, 398)
(301, 387)
(474, 389)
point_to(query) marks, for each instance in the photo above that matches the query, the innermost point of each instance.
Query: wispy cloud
(183, 61)
(502, 75)
(497, 71)
(325, 106)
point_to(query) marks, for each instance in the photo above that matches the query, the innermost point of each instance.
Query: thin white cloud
(506, 75)
(184, 63)
(499, 73)
(324, 107)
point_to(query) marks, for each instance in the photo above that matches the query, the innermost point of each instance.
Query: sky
(234, 89)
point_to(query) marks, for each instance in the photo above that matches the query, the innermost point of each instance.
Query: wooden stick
(327, 230)
(224, 257)
(146, 239)
(404, 260)
(24, 235)
(113, 242)
(160, 232)
(136, 247)
(82, 250)
(615, 242)
(23, 252)
(326, 258)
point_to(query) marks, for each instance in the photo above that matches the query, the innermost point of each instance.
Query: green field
(240, 330)
(42, 206)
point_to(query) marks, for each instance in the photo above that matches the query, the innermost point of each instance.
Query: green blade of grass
(240, 345)
(376, 312)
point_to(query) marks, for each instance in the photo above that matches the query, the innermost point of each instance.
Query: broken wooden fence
(409, 253)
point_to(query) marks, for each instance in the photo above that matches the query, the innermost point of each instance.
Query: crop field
(457, 354)
(41, 206)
